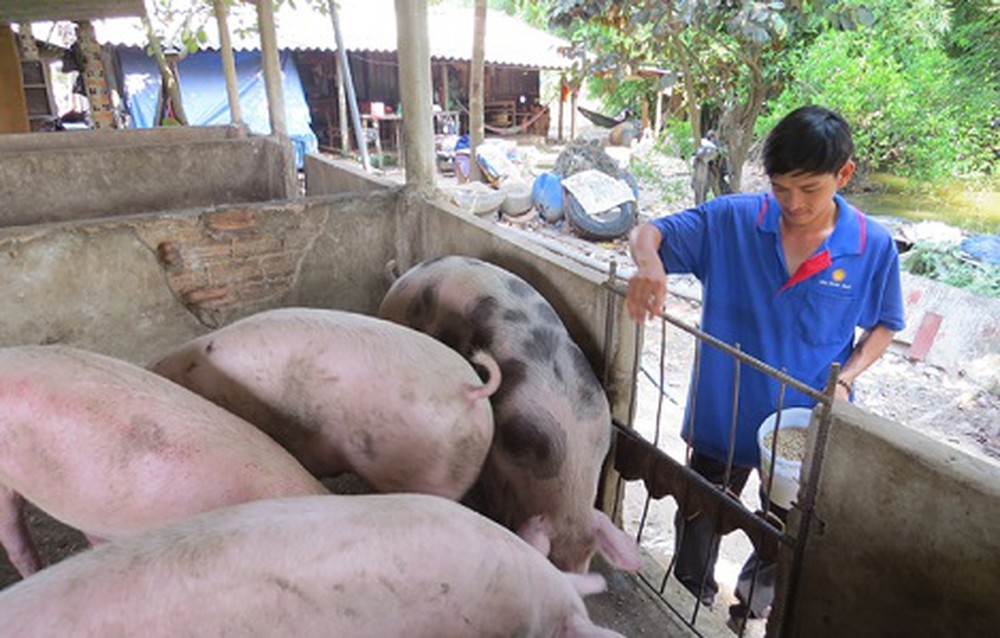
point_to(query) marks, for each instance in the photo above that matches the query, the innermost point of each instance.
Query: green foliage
(630, 93)
(974, 38)
(948, 266)
(671, 189)
(679, 133)
(913, 110)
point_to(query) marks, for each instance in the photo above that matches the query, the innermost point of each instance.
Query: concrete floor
(630, 608)
(634, 609)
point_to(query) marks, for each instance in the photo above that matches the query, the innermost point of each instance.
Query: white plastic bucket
(785, 489)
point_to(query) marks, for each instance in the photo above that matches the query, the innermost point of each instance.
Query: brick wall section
(226, 260)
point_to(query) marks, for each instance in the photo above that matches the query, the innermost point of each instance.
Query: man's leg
(763, 587)
(697, 544)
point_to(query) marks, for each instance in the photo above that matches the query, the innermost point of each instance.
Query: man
(788, 275)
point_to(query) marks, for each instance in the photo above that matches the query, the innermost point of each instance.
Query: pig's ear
(537, 532)
(617, 547)
(579, 626)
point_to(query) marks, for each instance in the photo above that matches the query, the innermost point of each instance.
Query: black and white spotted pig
(551, 416)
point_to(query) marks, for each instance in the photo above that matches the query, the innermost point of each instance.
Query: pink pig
(552, 419)
(111, 449)
(349, 392)
(362, 566)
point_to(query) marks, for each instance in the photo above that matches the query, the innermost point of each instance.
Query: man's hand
(647, 288)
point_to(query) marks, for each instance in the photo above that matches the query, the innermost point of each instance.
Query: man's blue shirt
(796, 322)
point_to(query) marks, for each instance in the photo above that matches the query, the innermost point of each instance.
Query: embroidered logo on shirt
(836, 280)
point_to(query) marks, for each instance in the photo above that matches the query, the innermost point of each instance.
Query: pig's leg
(14, 533)
(617, 547)
(537, 532)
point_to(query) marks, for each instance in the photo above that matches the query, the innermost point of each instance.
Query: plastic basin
(785, 488)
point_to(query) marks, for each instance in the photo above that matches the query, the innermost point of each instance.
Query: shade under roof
(24, 11)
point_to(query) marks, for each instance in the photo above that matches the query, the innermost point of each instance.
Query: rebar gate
(645, 458)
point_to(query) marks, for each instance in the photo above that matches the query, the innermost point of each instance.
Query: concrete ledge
(328, 176)
(87, 182)
(905, 541)
(118, 138)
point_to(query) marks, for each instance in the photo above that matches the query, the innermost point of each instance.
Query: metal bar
(731, 447)
(809, 500)
(352, 97)
(725, 347)
(745, 358)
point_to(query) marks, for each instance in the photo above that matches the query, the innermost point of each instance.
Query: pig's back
(121, 448)
(378, 565)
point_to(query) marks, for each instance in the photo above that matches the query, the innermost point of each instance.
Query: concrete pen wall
(47, 177)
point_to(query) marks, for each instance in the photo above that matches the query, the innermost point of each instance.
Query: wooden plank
(924, 338)
(13, 107)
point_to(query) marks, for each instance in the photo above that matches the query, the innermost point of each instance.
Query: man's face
(807, 198)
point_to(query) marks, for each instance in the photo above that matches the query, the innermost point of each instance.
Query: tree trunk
(736, 126)
(476, 102)
(169, 79)
(690, 93)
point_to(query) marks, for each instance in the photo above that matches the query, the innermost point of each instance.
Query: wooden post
(94, 81)
(228, 62)
(272, 67)
(13, 107)
(658, 124)
(413, 44)
(562, 104)
(572, 114)
(477, 132)
(345, 129)
(445, 98)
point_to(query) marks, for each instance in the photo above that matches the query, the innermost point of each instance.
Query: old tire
(609, 224)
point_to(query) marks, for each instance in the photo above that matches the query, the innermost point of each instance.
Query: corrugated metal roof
(370, 25)
(24, 11)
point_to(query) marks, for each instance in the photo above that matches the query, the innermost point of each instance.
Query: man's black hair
(810, 139)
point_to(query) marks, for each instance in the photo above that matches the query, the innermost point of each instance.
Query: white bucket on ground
(785, 489)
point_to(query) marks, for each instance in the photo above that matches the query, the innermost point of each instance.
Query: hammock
(512, 130)
(603, 120)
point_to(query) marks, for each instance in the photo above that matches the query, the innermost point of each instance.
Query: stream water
(974, 211)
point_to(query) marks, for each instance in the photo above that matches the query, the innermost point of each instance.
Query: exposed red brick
(230, 220)
(206, 295)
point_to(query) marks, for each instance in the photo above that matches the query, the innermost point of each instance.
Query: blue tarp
(984, 248)
(203, 91)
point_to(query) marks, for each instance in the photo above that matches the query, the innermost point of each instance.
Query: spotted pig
(552, 420)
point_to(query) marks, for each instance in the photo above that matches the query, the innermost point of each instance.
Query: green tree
(723, 54)
(916, 110)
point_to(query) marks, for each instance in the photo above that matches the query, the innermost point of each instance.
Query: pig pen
(128, 244)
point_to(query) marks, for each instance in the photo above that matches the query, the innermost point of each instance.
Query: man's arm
(647, 288)
(871, 346)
